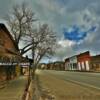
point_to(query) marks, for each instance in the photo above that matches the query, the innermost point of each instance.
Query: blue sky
(76, 22)
(76, 34)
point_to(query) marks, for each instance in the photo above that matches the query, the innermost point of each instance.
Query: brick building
(84, 61)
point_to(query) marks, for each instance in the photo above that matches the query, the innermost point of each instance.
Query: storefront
(73, 63)
(84, 61)
(95, 63)
(9, 54)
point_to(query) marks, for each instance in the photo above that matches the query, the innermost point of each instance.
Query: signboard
(23, 64)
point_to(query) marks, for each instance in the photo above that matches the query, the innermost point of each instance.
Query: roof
(58, 62)
(87, 53)
(78, 55)
(96, 56)
(67, 59)
(3, 27)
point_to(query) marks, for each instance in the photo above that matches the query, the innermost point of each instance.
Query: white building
(73, 63)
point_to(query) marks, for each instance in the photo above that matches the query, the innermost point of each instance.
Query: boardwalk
(14, 89)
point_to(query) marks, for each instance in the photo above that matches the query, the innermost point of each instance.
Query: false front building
(95, 63)
(84, 61)
(8, 54)
(79, 62)
(71, 63)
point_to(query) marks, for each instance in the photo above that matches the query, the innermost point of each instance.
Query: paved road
(87, 79)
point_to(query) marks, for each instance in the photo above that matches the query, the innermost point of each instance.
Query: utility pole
(29, 76)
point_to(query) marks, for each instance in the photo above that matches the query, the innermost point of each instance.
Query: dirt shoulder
(57, 89)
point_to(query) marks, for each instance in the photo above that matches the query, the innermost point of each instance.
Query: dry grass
(63, 90)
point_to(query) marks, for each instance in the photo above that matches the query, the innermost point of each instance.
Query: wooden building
(95, 63)
(42, 66)
(73, 63)
(8, 54)
(59, 65)
(67, 64)
(50, 66)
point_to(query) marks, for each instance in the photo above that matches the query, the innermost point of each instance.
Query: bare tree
(43, 43)
(41, 40)
(20, 20)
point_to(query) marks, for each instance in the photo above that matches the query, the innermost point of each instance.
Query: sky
(76, 23)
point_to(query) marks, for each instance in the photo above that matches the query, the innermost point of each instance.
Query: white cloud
(65, 49)
(66, 43)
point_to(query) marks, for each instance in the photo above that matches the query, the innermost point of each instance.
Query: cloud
(65, 49)
(65, 43)
(91, 43)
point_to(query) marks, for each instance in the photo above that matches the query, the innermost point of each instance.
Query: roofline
(87, 52)
(4, 28)
(78, 55)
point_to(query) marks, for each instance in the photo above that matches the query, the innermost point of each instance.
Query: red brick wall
(84, 57)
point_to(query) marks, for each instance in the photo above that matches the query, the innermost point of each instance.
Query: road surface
(68, 85)
(83, 78)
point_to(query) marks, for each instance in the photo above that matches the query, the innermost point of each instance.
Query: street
(66, 85)
(82, 78)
